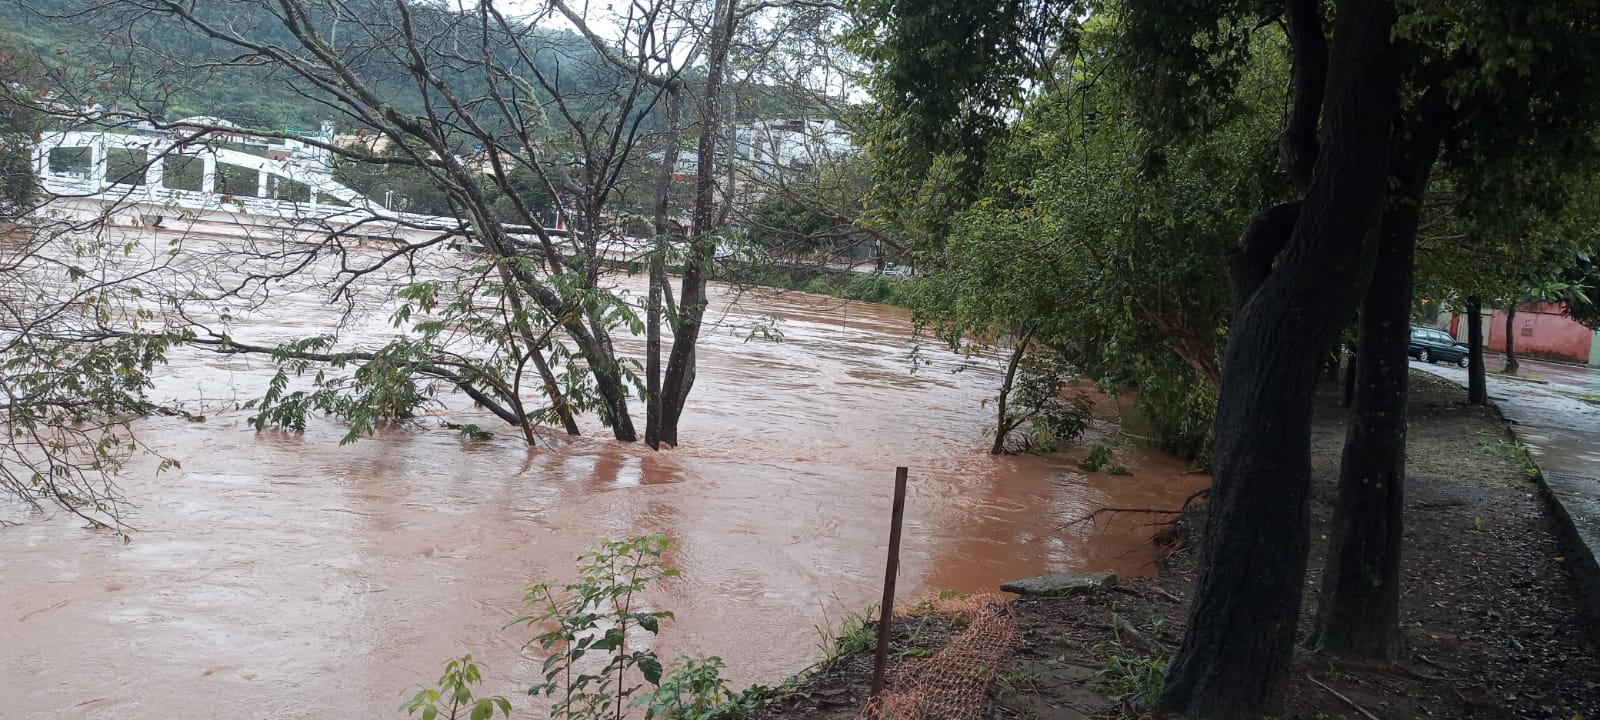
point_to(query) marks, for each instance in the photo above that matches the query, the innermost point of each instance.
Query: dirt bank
(1492, 625)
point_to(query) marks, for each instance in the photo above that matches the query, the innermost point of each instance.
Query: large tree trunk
(1293, 291)
(680, 373)
(1359, 607)
(1511, 340)
(1477, 381)
(652, 349)
(1348, 398)
(607, 370)
(608, 375)
(658, 269)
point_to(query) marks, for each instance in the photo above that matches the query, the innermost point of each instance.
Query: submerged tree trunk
(1358, 609)
(1477, 382)
(552, 387)
(652, 350)
(605, 366)
(1296, 278)
(658, 268)
(1511, 340)
(1002, 424)
(680, 372)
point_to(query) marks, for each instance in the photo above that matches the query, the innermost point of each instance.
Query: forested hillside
(147, 45)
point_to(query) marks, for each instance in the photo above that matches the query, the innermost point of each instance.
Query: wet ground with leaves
(1492, 623)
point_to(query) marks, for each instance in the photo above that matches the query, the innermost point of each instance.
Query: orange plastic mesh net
(951, 684)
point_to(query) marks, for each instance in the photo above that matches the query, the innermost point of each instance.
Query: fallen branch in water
(1091, 517)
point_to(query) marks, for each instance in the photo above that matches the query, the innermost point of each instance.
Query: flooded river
(281, 575)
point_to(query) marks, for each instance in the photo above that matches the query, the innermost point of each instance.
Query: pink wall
(1541, 330)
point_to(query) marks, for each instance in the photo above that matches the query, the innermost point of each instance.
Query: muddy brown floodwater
(285, 576)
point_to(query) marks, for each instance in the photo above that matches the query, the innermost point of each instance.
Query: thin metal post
(887, 607)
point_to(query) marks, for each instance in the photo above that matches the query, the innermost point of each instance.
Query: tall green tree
(20, 120)
(1367, 78)
(1297, 275)
(1106, 248)
(811, 212)
(1500, 234)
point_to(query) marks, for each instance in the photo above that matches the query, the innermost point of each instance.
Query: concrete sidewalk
(1562, 433)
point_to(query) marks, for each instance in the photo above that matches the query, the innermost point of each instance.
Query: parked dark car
(1430, 345)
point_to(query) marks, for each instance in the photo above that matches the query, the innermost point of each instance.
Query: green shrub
(872, 288)
(595, 615)
(593, 670)
(694, 690)
(820, 286)
(1058, 416)
(1043, 414)
(1099, 457)
(453, 695)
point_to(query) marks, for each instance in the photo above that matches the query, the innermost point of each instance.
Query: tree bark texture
(1348, 397)
(680, 372)
(552, 388)
(1477, 380)
(658, 269)
(1511, 340)
(1289, 307)
(1297, 146)
(1359, 606)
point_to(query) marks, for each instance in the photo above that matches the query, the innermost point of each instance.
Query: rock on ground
(1060, 584)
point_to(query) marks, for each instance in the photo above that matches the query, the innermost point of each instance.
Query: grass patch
(914, 647)
(920, 631)
(1128, 676)
(853, 633)
(1024, 679)
(1525, 377)
(1591, 398)
(1512, 451)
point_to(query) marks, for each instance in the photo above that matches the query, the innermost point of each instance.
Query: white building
(306, 149)
(768, 149)
(771, 152)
